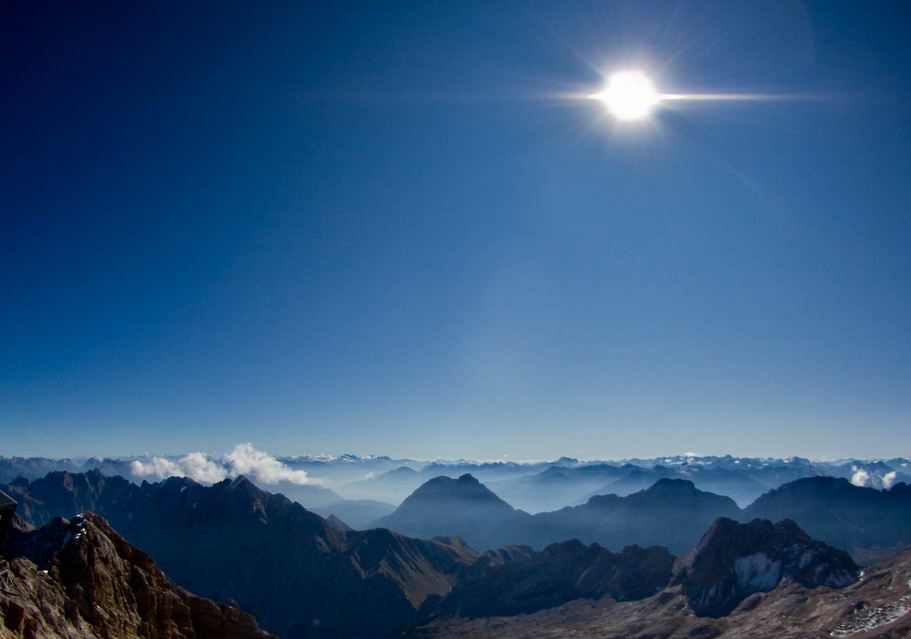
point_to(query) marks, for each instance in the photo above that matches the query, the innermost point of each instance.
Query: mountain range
(867, 522)
(301, 575)
(518, 580)
(871, 524)
(364, 488)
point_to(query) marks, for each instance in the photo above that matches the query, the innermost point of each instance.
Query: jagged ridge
(97, 584)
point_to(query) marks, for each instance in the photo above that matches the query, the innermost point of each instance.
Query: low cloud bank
(243, 459)
(867, 479)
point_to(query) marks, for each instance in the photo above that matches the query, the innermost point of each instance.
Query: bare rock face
(733, 561)
(90, 582)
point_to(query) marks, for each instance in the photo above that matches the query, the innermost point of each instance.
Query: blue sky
(375, 228)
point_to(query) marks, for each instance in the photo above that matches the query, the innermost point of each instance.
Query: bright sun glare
(629, 95)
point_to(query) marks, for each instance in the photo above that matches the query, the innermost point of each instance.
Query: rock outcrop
(733, 561)
(89, 582)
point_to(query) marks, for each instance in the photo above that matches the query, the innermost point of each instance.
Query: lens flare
(629, 95)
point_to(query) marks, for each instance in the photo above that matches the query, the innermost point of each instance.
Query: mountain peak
(465, 487)
(240, 482)
(734, 560)
(667, 485)
(444, 506)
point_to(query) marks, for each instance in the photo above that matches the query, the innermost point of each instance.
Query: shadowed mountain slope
(671, 513)
(871, 524)
(298, 575)
(464, 507)
(867, 522)
(517, 580)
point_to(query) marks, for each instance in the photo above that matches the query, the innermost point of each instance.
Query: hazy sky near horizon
(379, 228)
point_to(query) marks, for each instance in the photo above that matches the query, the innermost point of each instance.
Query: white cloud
(860, 477)
(201, 468)
(157, 467)
(243, 459)
(194, 465)
(246, 460)
(870, 479)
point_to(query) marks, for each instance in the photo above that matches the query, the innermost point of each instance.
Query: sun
(629, 95)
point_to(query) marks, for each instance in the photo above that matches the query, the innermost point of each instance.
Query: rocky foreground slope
(89, 582)
(876, 607)
(773, 581)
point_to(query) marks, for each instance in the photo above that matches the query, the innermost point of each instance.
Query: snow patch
(866, 620)
(757, 572)
(806, 558)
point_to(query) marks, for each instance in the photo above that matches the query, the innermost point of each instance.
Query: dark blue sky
(376, 228)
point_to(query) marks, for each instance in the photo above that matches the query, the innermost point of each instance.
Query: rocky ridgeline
(733, 561)
(518, 580)
(79, 578)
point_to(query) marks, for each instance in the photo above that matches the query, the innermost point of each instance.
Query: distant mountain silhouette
(734, 560)
(531, 486)
(559, 486)
(719, 480)
(33, 467)
(671, 513)
(868, 523)
(309, 496)
(393, 485)
(634, 479)
(464, 507)
(96, 584)
(743, 479)
(358, 513)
